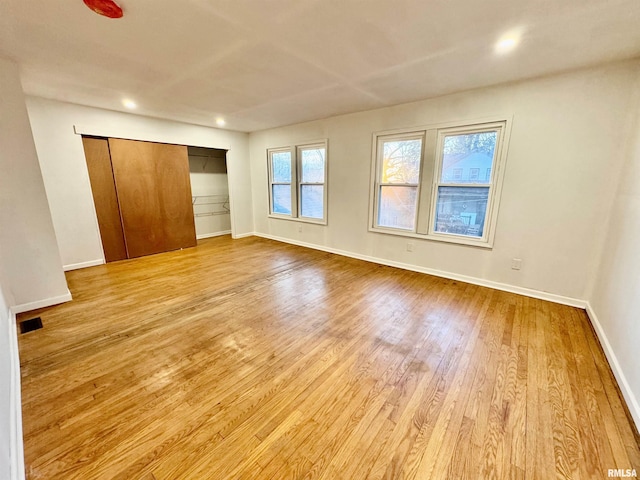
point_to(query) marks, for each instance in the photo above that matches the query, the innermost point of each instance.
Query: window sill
(443, 238)
(298, 219)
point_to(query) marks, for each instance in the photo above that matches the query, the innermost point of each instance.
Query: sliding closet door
(104, 197)
(154, 190)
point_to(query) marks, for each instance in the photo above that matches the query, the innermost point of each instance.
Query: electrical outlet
(409, 247)
(299, 228)
(516, 263)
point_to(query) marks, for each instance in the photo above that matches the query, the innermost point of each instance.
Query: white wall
(565, 154)
(66, 178)
(31, 272)
(30, 253)
(11, 448)
(5, 390)
(615, 299)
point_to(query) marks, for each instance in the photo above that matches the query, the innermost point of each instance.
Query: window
(281, 170)
(399, 178)
(297, 182)
(428, 183)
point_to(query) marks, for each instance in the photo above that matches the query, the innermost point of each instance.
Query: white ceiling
(266, 63)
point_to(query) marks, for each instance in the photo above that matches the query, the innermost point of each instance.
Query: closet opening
(209, 191)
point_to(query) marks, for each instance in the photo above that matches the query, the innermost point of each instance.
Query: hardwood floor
(252, 359)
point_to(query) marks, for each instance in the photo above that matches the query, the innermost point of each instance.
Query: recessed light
(220, 122)
(507, 43)
(130, 104)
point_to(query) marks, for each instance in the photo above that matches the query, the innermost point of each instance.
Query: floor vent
(30, 325)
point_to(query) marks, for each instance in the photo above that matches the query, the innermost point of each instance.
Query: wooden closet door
(154, 191)
(103, 188)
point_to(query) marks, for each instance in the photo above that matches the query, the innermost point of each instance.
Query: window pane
(401, 161)
(465, 156)
(397, 207)
(313, 165)
(281, 164)
(282, 199)
(461, 210)
(312, 201)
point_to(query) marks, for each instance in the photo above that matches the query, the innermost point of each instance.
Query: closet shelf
(209, 205)
(209, 214)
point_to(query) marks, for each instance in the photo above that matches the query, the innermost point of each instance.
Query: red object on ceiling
(108, 8)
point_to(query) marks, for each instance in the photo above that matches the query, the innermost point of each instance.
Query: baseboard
(47, 302)
(16, 447)
(551, 297)
(244, 235)
(76, 266)
(211, 235)
(627, 393)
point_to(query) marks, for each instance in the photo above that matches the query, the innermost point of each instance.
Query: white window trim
(378, 166)
(430, 173)
(296, 181)
(292, 183)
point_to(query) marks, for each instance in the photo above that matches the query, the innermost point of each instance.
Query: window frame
(379, 153)
(296, 181)
(431, 168)
(299, 149)
(497, 127)
(270, 153)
